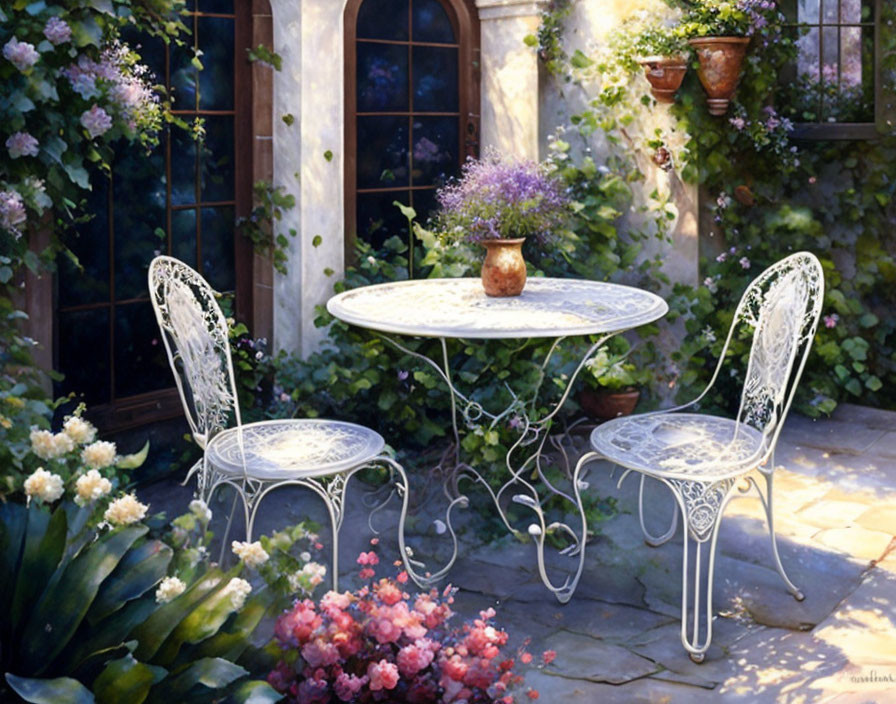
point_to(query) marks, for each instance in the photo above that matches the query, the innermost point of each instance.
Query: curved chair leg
(770, 518)
(702, 505)
(648, 538)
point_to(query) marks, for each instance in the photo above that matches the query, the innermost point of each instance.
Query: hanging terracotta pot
(665, 74)
(721, 59)
(504, 269)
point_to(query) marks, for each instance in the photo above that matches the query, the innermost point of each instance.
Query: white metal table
(548, 308)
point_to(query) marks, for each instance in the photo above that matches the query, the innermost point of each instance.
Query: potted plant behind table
(663, 52)
(498, 202)
(611, 384)
(720, 32)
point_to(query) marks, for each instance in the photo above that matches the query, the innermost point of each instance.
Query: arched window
(181, 199)
(412, 108)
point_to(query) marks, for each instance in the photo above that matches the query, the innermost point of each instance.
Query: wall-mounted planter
(665, 74)
(721, 60)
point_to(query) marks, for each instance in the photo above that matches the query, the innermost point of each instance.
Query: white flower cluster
(169, 588)
(200, 509)
(237, 589)
(44, 485)
(252, 554)
(79, 430)
(49, 446)
(125, 510)
(310, 575)
(91, 486)
(99, 454)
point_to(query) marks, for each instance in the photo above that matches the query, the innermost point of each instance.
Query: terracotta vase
(721, 59)
(504, 269)
(606, 405)
(665, 74)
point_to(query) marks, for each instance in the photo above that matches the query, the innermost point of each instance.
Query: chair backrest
(782, 306)
(195, 334)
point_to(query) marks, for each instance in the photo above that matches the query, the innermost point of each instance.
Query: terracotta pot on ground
(721, 59)
(504, 269)
(606, 405)
(665, 74)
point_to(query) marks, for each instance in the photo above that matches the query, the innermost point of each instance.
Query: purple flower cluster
(57, 31)
(500, 198)
(22, 144)
(758, 12)
(96, 121)
(21, 54)
(12, 211)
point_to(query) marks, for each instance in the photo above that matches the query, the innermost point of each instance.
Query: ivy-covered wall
(763, 191)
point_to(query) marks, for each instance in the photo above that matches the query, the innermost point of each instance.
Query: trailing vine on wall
(764, 193)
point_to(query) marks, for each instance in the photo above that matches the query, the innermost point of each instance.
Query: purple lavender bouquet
(501, 198)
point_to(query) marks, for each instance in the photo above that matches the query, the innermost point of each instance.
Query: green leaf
(44, 547)
(214, 673)
(254, 692)
(328, 155)
(288, 119)
(135, 460)
(139, 570)
(406, 210)
(530, 40)
(316, 241)
(68, 596)
(63, 690)
(579, 60)
(13, 521)
(126, 681)
(78, 175)
(873, 383)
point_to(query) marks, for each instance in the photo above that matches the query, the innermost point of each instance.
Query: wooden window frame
(846, 131)
(464, 18)
(253, 161)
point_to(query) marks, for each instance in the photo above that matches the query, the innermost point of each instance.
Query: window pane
(830, 11)
(183, 167)
(216, 78)
(151, 51)
(184, 76)
(383, 19)
(850, 10)
(425, 203)
(138, 217)
(435, 155)
(382, 77)
(431, 23)
(84, 354)
(808, 11)
(140, 361)
(216, 160)
(435, 79)
(382, 152)
(91, 246)
(225, 6)
(378, 219)
(217, 248)
(183, 236)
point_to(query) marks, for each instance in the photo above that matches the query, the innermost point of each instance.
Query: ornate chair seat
(283, 449)
(680, 445)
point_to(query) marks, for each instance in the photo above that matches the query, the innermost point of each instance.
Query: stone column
(509, 119)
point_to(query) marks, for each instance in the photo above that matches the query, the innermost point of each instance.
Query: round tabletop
(459, 308)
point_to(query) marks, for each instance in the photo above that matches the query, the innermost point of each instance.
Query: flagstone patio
(618, 638)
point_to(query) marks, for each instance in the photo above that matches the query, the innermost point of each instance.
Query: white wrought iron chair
(700, 458)
(254, 458)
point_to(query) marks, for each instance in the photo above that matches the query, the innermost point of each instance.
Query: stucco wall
(587, 29)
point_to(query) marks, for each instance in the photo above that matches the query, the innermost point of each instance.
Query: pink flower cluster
(96, 121)
(21, 54)
(380, 644)
(57, 31)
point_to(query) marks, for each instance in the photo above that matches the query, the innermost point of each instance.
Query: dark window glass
(183, 236)
(216, 162)
(382, 151)
(183, 167)
(223, 6)
(184, 77)
(382, 77)
(431, 23)
(379, 219)
(435, 79)
(84, 335)
(383, 19)
(435, 155)
(141, 364)
(217, 248)
(216, 78)
(91, 247)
